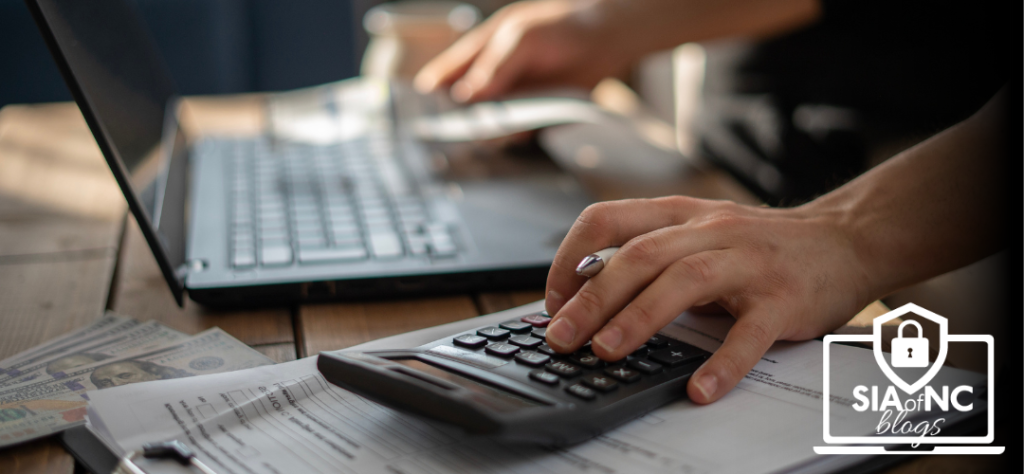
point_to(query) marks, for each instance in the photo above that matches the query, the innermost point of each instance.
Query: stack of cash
(45, 389)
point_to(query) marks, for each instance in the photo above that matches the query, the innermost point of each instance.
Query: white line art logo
(921, 412)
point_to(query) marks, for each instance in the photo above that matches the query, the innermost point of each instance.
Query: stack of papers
(45, 389)
(287, 418)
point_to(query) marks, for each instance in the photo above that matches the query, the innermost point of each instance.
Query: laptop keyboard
(315, 204)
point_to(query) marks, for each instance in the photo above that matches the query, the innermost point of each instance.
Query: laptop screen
(120, 83)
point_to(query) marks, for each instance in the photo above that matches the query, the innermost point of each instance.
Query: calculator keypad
(601, 382)
(522, 341)
(587, 360)
(470, 340)
(563, 368)
(532, 358)
(516, 326)
(544, 377)
(623, 374)
(581, 391)
(675, 356)
(502, 349)
(525, 341)
(645, 366)
(539, 320)
(493, 332)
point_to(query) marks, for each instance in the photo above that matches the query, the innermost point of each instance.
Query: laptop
(238, 221)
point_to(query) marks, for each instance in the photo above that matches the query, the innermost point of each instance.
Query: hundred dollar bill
(42, 407)
(101, 325)
(11, 368)
(142, 338)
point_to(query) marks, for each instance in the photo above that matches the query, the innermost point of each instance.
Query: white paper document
(287, 419)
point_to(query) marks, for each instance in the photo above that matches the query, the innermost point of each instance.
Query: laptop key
(243, 259)
(275, 256)
(332, 254)
(385, 245)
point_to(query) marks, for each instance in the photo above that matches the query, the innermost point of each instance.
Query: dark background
(210, 46)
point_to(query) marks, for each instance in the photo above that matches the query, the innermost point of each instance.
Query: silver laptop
(270, 220)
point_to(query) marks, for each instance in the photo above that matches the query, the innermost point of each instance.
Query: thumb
(746, 342)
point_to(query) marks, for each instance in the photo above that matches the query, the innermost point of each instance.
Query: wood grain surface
(329, 327)
(60, 223)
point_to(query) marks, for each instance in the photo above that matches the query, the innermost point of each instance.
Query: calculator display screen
(487, 395)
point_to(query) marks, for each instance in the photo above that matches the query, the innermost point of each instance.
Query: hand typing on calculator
(504, 381)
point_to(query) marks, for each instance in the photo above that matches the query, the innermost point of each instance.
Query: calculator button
(537, 320)
(540, 332)
(549, 351)
(678, 355)
(645, 366)
(581, 391)
(532, 358)
(501, 349)
(657, 340)
(544, 377)
(600, 382)
(515, 326)
(623, 374)
(493, 332)
(589, 361)
(525, 341)
(564, 369)
(641, 351)
(470, 340)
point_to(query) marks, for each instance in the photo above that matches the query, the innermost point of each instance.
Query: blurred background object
(210, 46)
(405, 35)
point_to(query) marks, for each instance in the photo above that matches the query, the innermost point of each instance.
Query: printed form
(287, 418)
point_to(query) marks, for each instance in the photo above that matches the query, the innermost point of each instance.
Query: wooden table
(68, 252)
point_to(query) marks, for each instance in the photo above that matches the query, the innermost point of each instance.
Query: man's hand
(782, 273)
(547, 43)
(529, 44)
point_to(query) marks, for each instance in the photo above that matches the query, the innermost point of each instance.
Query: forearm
(651, 25)
(930, 209)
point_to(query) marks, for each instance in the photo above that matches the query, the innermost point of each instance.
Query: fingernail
(561, 332)
(461, 92)
(554, 302)
(707, 384)
(609, 339)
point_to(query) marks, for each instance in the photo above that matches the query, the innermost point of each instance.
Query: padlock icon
(910, 351)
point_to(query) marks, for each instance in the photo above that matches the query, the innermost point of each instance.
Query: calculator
(503, 381)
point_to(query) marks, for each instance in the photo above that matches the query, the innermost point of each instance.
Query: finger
(454, 61)
(747, 341)
(603, 225)
(634, 267)
(696, 279)
(497, 67)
